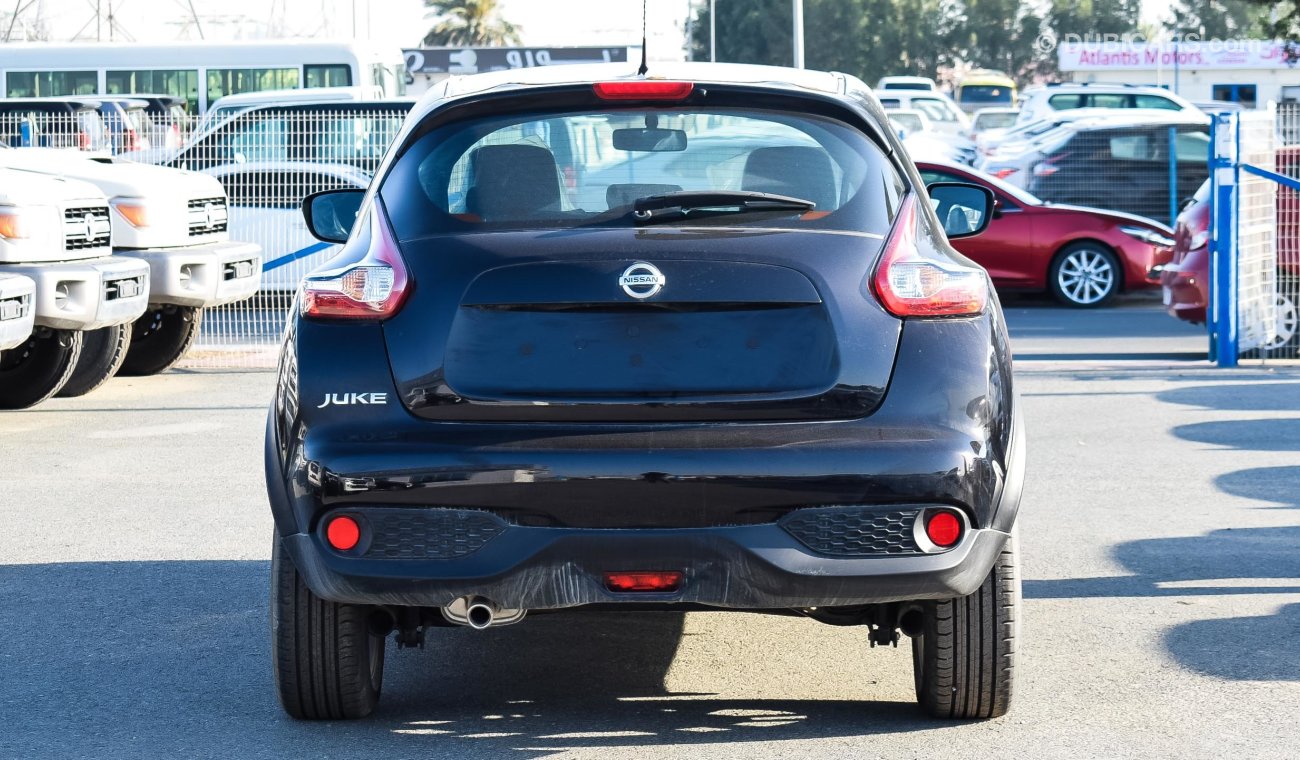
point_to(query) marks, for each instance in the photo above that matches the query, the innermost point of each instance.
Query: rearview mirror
(330, 214)
(964, 209)
(649, 139)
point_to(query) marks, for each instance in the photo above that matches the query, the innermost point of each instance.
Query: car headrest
(513, 182)
(795, 170)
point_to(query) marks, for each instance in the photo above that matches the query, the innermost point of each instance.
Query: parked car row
(1185, 273)
(107, 267)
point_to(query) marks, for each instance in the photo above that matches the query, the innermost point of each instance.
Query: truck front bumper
(203, 275)
(89, 294)
(17, 309)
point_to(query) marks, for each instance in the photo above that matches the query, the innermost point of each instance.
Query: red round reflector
(343, 533)
(943, 529)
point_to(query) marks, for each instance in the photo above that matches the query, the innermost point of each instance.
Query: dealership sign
(474, 60)
(1118, 55)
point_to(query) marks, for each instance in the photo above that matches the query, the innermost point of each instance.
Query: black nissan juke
(688, 339)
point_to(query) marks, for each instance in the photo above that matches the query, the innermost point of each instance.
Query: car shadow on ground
(1226, 562)
(139, 658)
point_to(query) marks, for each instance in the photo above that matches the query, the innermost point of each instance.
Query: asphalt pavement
(1162, 592)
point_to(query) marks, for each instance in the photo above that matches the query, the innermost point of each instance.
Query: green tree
(465, 23)
(1093, 18)
(866, 38)
(1001, 35)
(875, 38)
(1281, 21)
(1217, 19)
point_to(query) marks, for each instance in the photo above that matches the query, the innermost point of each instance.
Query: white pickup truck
(55, 233)
(177, 222)
(17, 310)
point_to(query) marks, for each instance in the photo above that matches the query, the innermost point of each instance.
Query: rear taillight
(1048, 168)
(910, 284)
(132, 141)
(1004, 173)
(371, 287)
(83, 141)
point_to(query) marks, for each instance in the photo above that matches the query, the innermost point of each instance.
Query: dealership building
(425, 66)
(1249, 72)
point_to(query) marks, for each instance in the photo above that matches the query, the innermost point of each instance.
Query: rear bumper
(1184, 293)
(745, 567)
(88, 295)
(568, 502)
(203, 275)
(17, 312)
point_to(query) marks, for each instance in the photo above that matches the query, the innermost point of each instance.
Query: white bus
(198, 71)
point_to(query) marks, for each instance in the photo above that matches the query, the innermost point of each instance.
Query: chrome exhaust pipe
(480, 613)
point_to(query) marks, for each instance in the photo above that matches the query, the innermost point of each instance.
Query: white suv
(943, 113)
(1038, 103)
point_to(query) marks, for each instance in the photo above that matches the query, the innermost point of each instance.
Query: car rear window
(1000, 120)
(588, 168)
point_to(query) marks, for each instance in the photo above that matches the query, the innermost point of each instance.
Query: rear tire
(37, 369)
(102, 354)
(328, 659)
(160, 338)
(1085, 275)
(965, 659)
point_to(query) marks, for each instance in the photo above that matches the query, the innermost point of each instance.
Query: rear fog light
(651, 582)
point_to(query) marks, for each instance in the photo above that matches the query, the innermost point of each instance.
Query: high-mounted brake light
(643, 89)
(372, 288)
(911, 285)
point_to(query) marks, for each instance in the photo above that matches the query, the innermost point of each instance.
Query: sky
(545, 23)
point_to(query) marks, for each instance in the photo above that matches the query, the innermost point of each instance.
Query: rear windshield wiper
(657, 208)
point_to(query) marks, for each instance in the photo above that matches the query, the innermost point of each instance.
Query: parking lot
(1161, 579)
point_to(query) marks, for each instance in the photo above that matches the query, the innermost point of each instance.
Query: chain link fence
(267, 160)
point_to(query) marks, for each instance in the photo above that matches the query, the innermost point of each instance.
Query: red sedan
(1186, 278)
(1083, 256)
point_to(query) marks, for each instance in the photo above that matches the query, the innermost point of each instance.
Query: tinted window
(1133, 148)
(936, 109)
(908, 121)
(45, 84)
(327, 75)
(181, 83)
(223, 82)
(565, 171)
(995, 120)
(1192, 147)
(1155, 101)
(985, 93)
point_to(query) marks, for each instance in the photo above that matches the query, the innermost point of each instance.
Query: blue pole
(1173, 176)
(1224, 174)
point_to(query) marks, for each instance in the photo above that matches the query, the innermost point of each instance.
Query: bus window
(47, 84)
(327, 75)
(181, 83)
(230, 81)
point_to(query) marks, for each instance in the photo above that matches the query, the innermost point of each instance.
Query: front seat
(794, 170)
(513, 182)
